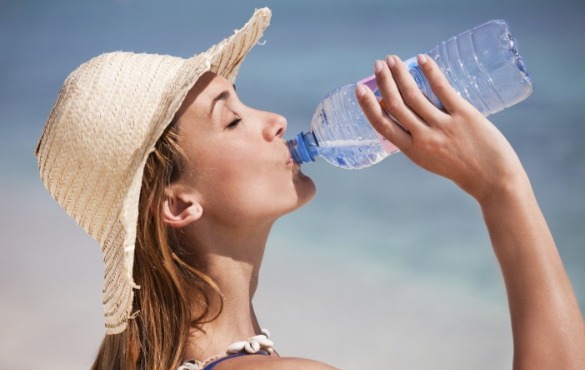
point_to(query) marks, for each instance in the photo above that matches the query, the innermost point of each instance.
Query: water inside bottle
(352, 154)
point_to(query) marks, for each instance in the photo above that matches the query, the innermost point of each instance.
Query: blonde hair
(170, 289)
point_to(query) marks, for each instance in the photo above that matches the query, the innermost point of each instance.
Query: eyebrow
(224, 95)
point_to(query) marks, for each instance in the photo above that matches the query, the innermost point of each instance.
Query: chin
(306, 189)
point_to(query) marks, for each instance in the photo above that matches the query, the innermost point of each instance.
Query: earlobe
(181, 210)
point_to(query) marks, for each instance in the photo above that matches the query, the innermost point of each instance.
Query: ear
(180, 207)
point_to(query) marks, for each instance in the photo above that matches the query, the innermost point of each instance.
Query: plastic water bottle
(482, 64)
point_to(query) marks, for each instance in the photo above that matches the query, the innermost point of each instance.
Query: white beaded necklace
(253, 345)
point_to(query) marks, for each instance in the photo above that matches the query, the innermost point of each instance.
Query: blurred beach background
(389, 267)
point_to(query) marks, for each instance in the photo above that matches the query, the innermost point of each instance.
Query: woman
(180, 183)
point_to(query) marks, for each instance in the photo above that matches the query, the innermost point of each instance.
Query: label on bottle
(389, 148)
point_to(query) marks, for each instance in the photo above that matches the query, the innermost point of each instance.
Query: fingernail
(422, 59)
(360, 91)
(378, 66)
(390, 61)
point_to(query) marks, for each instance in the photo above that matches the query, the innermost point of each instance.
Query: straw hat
(107, 119)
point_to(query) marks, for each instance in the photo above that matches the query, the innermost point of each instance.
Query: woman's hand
(458, 142)
(461, 144)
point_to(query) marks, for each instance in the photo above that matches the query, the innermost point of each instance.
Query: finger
(380, 120)
(393, 102)
(411, 94)
(440, 85)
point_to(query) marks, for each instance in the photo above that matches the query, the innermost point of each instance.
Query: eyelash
(233, 123)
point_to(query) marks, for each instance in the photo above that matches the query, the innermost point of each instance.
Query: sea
(389, 267)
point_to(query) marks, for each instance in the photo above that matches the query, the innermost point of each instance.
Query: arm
(461, 144)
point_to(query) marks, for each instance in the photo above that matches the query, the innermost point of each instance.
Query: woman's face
(237, 161)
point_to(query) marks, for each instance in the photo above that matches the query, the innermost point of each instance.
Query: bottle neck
(301, 147)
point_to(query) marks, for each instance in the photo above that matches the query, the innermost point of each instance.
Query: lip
(289, 160)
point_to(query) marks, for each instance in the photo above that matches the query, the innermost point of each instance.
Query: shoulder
(271, 363)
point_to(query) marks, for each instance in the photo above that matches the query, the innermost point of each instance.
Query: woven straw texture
(107, 118)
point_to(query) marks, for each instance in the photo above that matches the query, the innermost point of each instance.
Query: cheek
(233, 185)
(243, 193)
(249, 187)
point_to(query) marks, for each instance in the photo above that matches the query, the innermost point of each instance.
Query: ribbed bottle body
(483, 65)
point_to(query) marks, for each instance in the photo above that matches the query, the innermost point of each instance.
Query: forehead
(201, 96)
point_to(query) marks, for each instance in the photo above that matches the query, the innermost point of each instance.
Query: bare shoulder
(272, 363)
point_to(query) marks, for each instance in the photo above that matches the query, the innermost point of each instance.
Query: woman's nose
(275, 126)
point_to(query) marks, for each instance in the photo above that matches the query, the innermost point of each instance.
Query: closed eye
(234, 123)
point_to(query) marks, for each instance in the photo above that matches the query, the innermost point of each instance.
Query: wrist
(514, 188)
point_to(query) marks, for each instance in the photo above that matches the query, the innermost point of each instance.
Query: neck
(232, 259)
